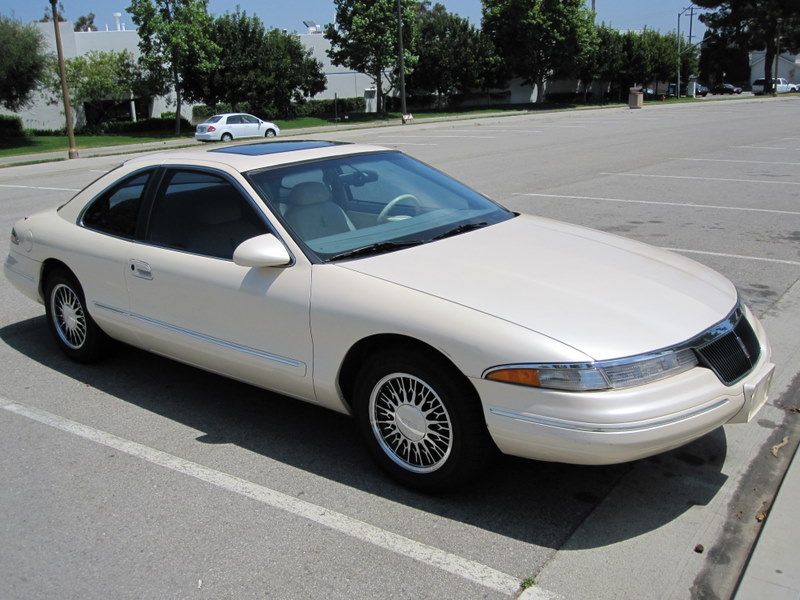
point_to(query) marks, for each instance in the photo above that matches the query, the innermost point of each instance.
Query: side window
(117, 210)
(203, 213)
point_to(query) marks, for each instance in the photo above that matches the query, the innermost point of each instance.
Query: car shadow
(534, 502)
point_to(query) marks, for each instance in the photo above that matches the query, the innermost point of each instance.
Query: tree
(174, 39)
(99, 80)
(609, 57)
(756, 25)
(454, 56)
(722, 60)
(364, 37)
(85, 23)
(266, 71)
(48, 14)
(538, 37)
(23, 63)
(293, 74)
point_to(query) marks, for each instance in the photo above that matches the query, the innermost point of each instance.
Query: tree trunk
(769, 57)
(539, 83)
(177, 105)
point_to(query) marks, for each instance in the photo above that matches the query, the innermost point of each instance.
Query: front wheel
(421, 420)
(73, 328)
(270, 133)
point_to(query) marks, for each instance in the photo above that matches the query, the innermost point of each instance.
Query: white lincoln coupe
(362, 280)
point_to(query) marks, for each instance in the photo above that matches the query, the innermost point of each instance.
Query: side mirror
(262, 251)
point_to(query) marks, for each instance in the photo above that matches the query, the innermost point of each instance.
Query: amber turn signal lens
(529, 377)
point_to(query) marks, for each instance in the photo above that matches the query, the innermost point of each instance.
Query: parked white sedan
(234, 126)
(364, 281)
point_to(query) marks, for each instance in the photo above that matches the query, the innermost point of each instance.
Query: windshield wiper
(461, 229)
(379, 248)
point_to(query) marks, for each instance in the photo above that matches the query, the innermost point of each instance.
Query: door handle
(140, 269)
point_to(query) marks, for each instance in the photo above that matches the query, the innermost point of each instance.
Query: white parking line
(681, 204)
(761, 147)
(451, 563)
(35, 187)
(458, 137)
(759, 181)
(736, 256)
(749, 162)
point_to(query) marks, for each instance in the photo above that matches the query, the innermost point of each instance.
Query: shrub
(11, 127)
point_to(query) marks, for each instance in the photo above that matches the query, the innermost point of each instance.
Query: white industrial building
(341, 82)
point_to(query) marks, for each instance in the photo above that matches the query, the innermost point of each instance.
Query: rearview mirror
(262, 251)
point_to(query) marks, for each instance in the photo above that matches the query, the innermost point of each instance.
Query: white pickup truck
(782, 85)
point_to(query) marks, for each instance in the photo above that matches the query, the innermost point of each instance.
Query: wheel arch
(358, 353)
(48, 266)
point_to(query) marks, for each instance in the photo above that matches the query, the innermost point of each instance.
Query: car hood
(606, 296)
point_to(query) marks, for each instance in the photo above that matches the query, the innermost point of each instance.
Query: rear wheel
(226, 137)
(73, 328)
(421, 420)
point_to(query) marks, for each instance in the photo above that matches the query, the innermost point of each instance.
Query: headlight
(609, 375)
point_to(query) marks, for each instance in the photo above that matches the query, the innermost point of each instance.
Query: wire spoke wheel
(411, 423)
(68, 316)
(68, 320)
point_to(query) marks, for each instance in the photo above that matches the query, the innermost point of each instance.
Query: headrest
(309, 192)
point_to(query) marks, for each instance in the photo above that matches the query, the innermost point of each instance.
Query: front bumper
(623, 425)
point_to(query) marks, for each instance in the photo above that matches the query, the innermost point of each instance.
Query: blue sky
(661, 15)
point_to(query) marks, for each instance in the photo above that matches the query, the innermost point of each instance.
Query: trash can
(636, 98)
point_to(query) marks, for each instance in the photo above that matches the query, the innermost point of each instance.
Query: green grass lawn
(37, 144)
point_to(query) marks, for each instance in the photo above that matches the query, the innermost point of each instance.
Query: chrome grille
(733, 351)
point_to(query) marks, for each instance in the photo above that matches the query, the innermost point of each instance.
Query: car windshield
(360, 205)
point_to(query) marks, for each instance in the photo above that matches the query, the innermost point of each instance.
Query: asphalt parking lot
(143, 478)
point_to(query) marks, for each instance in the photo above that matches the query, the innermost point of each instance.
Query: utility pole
(73, 151)
(777, 58)
(402, 64)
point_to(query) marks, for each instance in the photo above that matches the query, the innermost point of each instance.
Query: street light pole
(777, 58)
(402, 64)
(73, 151)
(680, 14)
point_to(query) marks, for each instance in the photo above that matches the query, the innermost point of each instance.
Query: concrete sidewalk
(773, 571)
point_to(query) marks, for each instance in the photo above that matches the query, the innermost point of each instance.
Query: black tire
(421, 420)
(270, 133)
(226, 137)
(69, 322)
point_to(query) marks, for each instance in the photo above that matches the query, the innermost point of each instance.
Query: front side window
(203, 213)
(116, 211)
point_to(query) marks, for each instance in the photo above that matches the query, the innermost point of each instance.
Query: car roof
(247, 157)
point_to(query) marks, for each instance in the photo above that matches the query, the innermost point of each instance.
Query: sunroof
(263, 148)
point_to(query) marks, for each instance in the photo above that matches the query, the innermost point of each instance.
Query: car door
(194, 304)
(101, 247)
(252, 126)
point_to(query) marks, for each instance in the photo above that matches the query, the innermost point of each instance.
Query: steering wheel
(384, 216)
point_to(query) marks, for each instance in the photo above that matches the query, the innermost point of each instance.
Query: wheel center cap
(70, 317)
(410, 421)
